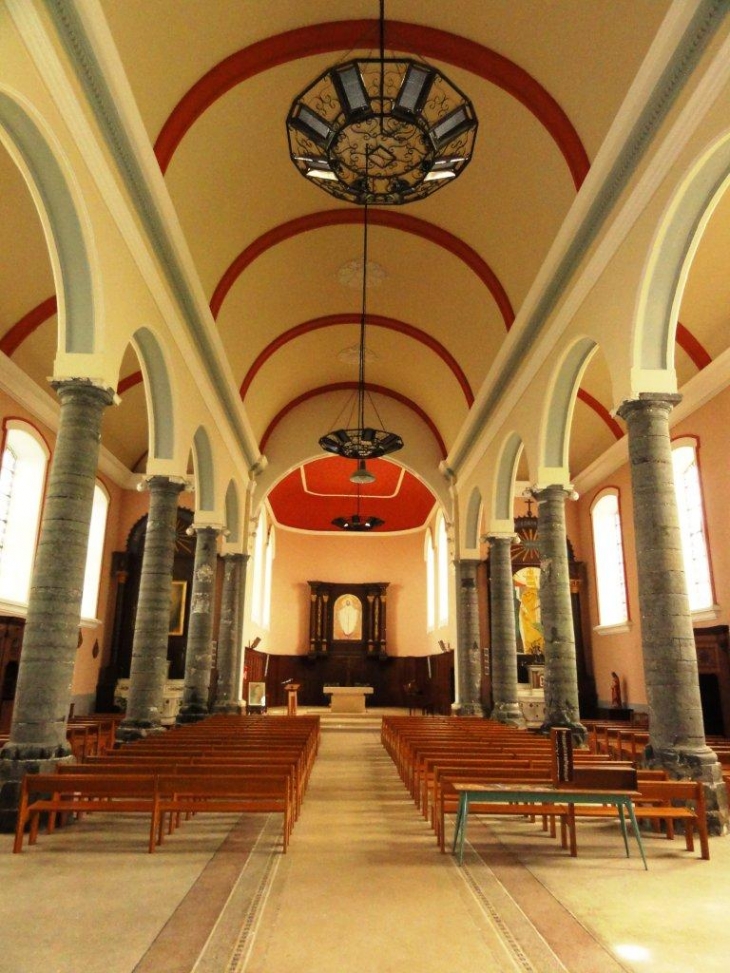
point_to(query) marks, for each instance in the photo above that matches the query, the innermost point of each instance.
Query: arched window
(608, 550)
(22, 483)
(95, 552)
(259, 568)
(268, 570)
(442, 556)
(692, 524)
(430, 558)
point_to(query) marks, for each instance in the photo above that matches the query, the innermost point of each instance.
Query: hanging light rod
(381, 130)
(362, 442)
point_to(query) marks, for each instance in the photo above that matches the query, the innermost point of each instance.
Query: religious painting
(178, 593)
(347, 619)
(257, 694)
(530, 638)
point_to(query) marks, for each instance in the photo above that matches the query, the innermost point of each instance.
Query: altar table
(347, 699)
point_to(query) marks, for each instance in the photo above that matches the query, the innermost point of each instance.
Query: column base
(12, 772)
(129, 730)
(192, 713)
(696, 764)
(577, 730)
(510, 714)
(469, 709)
(231, 709)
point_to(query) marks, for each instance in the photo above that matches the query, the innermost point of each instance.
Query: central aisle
(364, 888)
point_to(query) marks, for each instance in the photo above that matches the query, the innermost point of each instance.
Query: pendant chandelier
(356, 523)
(381, 130)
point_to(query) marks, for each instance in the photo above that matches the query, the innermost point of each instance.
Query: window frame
(693, 443)
(617, 624)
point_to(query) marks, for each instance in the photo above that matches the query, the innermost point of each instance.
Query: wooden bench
(187, 793)
(55, 794)
(666, 801)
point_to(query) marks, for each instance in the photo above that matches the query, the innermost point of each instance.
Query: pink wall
(397, 559)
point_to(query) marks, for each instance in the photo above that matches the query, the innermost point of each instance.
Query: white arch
(204, 471)
(473, 519)
(669, 258)
(554, 442)
(158, 393)
(501, 519)
(63, 219)
(233, 515)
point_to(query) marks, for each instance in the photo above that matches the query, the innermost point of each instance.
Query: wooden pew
(54, 794)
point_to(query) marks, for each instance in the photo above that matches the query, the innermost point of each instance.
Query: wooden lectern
(291, 698)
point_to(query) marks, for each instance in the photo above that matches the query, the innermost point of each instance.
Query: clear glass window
(609, 556)
(22, 483)
(692, 526)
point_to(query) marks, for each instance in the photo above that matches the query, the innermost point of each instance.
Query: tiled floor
(363, 889)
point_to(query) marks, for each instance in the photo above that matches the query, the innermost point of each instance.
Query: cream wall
(397, 559)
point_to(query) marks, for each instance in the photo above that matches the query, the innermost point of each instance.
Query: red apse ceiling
(310, 497)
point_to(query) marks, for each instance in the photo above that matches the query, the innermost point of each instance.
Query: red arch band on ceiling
(393, 219)
(602, 412)
(24, 328)
(348, 387)
(379, 321)
(344, 35)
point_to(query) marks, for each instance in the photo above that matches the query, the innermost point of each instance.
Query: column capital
(216, 529)
(160, 481)
(99, 390)
(648, 403)
(553, 490)
(495, 537)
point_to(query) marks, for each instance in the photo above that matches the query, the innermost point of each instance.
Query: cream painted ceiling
(435, 324)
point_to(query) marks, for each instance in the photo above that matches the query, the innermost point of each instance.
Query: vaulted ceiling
(276, 257)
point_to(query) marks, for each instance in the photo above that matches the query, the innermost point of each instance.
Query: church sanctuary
(364, 464)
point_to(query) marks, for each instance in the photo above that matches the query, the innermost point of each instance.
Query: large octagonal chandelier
(378, 131)
(381, 130)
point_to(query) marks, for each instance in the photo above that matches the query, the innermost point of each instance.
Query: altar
(347, 699)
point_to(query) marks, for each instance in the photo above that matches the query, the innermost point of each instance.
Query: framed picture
(178, 593)
(257, 694)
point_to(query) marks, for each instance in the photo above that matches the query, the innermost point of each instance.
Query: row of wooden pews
(222, 765)
(623, 741)
(435, 756)
(88, 735)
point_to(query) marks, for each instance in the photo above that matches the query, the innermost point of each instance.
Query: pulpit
(291, 698)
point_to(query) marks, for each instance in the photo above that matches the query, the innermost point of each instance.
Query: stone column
(561, 674)
(470, 669)
(199, 649)
(239, 659)
(504, 639)
(38, 731)
(148, 672)
(676, 727)
(228, 691)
